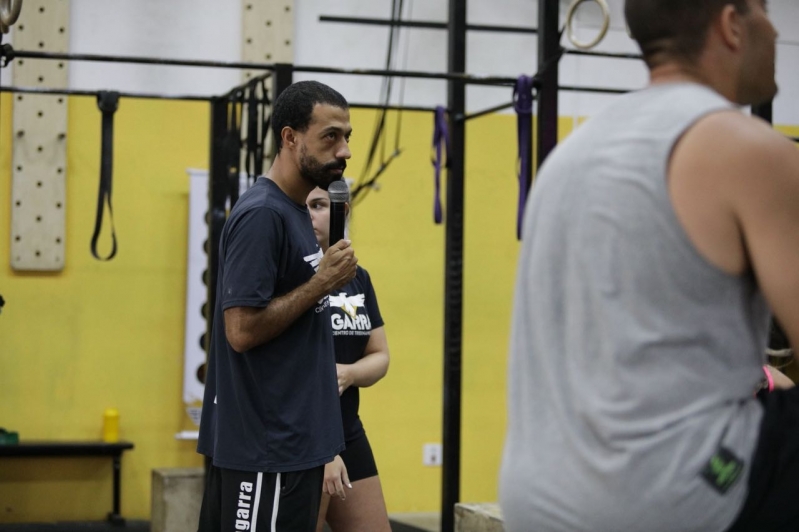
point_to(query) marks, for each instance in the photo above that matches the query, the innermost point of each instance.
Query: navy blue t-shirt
(353, 315)
(273, 408)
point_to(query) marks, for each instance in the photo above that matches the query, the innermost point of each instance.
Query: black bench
(63, 449)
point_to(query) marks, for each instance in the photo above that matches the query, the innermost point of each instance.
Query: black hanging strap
(108, 102)
(252, 129)
(265, 122)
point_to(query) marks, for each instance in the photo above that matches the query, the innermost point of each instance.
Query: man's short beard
(321, 175)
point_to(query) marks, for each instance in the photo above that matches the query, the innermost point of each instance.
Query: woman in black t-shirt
(361, 360)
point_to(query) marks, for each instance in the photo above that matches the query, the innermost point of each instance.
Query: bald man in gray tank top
(658, 240)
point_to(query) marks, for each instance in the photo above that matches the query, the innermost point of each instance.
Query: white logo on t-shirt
(348, 304)
(314, 259)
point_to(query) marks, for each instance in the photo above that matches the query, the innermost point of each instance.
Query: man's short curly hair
(294, 106)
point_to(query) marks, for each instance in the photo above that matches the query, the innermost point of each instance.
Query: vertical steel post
(453, 294)
(548, 50)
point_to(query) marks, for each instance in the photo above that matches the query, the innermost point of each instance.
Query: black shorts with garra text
(260, 502)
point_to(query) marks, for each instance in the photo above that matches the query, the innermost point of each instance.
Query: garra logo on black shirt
(350, 322)
(314, 260)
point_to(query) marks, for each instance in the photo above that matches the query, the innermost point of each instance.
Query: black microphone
(339, 195)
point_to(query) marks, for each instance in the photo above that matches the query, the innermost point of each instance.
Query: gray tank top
(633, 360)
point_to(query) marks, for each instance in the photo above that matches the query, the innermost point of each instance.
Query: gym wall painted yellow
(110, 334)
(102, 334)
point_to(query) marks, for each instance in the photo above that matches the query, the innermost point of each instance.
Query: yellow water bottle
(111, 425)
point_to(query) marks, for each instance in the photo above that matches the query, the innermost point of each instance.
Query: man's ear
(289, 137)
(730, 27)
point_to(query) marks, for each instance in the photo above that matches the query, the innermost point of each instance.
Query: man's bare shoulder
(735, 148)
(739, 136)
(724, 172)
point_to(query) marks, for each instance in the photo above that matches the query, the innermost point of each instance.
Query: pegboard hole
(249, 6)
(19, 168)
(17, 238)
(18, 203)
(20, 62)
(20, 27)
(40, 114)
(41, 9)
(58, 240)
(41, 44)
(38, 253)
(288, 42)
(288, 8)
(61, 100)
(60, 65)
(60, 170)
(268, 22)
(41, 79)
(269, 56)
(38, 218)
(249, 41)
(62, 29)
(40, 149)
(19, 98)
(39, 184)
(58, 205)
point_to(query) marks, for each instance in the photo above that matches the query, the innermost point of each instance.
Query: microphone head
(339, 192)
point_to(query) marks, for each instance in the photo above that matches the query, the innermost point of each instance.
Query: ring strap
(440, 143)
(108, 102)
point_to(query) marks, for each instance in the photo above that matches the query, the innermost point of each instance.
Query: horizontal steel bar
(484, 112)
(77, 92)
(593, 89)
(424, 24)
(612, 55)
(391, 107)
(139, 60)
(476, 79)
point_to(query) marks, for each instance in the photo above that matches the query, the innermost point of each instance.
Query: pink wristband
(769, 379)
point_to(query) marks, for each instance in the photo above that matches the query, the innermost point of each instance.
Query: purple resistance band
(523, 104)
(440, 139)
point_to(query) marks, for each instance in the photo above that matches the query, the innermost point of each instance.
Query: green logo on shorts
(723, 470)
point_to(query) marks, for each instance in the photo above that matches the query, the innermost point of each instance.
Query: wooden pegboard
(38, 191)
(267, 37)
(267, 33)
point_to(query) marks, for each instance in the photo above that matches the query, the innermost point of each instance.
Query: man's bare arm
(248, 327)
(766, 204)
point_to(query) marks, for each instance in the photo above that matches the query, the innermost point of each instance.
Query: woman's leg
(364, 509)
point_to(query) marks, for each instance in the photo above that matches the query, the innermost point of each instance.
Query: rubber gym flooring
(130, 526)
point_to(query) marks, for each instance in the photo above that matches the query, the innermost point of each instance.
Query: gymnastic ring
(9, 12)
(603, 5)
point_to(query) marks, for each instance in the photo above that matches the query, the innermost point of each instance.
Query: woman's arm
(369, 369)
